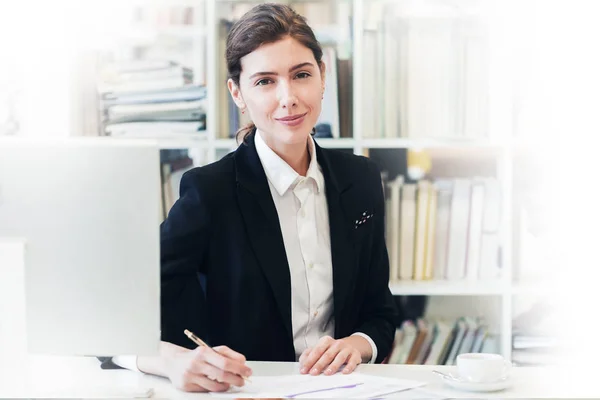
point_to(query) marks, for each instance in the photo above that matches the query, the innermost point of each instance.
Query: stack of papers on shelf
(354, 385)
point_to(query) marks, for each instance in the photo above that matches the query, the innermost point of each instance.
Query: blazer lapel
(262, 226)
(341, 227)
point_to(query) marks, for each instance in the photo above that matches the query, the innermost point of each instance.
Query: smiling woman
(262, 253)
(276, 74)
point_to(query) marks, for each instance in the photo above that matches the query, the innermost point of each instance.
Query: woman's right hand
(207, 369)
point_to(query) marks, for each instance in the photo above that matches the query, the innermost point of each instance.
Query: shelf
(450, 288)
(226, 144)
(170, 3)
(339, 143)
(385, 143)
(181, 141)
(149, 33)
(284, 2)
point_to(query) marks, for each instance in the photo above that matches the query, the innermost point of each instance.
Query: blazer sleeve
(378, 312)
(184, 238)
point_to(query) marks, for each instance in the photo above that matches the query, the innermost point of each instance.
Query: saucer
(461, 384)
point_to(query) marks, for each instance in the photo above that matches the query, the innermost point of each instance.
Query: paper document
(354, 385)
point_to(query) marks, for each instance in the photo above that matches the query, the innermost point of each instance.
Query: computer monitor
(88, 211)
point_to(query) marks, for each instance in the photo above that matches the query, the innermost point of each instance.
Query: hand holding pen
(207, 369)
(220, 350)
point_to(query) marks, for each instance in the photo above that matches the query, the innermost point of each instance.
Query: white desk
(65, 377)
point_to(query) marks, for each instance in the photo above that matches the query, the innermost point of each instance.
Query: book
(156, 128)
(490, 267)
(394, 188)
(442, 228)
(407, 233)
(420, 246)
(422, 332)
(328, 124)
(408, 340)
(443, 333)
(431, 228)
(459, 229)
(473, 257)
(184, 93)
(461, 330)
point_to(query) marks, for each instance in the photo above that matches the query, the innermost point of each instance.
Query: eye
(263, 82)
(303, 75)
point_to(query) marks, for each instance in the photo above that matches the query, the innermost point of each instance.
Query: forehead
(276, 57)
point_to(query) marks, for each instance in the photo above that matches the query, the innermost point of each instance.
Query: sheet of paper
(415, 394)
(354, 385)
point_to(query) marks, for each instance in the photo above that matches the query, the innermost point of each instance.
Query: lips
(291, 118)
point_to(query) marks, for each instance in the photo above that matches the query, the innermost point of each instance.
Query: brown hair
(265, 23)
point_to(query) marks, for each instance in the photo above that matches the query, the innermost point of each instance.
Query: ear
(236, 94)
(323, 70)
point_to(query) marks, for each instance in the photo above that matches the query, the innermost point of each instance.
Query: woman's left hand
(329, 355)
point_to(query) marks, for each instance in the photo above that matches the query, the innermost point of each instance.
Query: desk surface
(83, 378)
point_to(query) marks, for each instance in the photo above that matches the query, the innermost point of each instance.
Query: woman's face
(281, 87)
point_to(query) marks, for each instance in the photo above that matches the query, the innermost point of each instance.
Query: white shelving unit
(499, 146)
(450, 288)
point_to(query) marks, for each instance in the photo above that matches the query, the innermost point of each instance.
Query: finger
(352, 362)
(302, 360)
(221, 362)
(326, 359)
(192, 387)
(305, 354)
(211, 385)
(338, 361)
(227, 352)
(317, 352)
(216, 374)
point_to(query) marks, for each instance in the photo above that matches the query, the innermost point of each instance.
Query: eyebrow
(295, 67)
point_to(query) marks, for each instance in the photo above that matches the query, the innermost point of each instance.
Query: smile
(292, 120)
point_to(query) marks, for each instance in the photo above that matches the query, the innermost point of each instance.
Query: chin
(295, 135)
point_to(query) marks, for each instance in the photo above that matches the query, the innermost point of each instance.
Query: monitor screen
(88, 213)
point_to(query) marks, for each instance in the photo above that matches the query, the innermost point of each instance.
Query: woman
(276, 251)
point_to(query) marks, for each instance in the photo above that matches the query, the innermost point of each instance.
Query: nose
(287, 95)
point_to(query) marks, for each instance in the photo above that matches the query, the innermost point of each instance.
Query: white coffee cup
(482, 367)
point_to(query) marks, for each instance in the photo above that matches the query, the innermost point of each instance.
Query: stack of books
(447, 229)
(425, 70)
(151, 99)
(439, 342)
(535, 338)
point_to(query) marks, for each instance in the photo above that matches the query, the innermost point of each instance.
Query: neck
(296, 155)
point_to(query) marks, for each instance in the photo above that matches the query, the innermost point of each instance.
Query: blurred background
(482, 115)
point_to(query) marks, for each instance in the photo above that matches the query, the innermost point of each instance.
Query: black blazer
(225, 274)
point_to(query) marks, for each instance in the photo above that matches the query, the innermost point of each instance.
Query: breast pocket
(363, 225)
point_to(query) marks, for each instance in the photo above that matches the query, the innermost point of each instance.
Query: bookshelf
(449, 288)
(357, 27)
